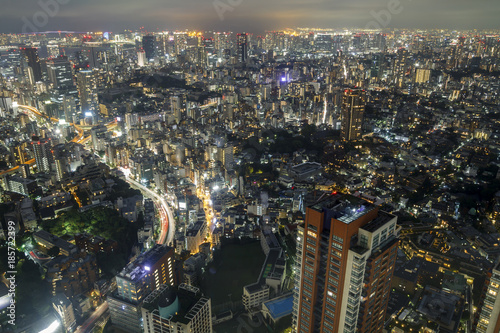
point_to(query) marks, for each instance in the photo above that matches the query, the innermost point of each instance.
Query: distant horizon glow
(256, 17)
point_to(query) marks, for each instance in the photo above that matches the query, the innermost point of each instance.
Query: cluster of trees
(122, 189)
(101, 221)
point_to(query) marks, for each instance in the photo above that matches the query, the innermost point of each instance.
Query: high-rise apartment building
(17, 153)
(136, 281)
(182, 309)
(353, 109)
(346, 253)
(422, 75)
(488, 314)
(44, 158)
(400, 67)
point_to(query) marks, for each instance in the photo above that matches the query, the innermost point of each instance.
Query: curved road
(89, 324)
(167, 228)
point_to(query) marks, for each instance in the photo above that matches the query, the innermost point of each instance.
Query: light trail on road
(89, 324)
(167, 218)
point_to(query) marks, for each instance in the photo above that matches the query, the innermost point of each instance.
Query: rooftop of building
(194, 228)
(273, 267)
(378, 222)
(141, 266)
(189, 300)
(440, 306)
(345, 208)
(306, 167)
(280, 307)
(54, 240)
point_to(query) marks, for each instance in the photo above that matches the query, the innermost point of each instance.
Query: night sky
(243, 15)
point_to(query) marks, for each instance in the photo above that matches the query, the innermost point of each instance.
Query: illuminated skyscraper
(60, 73)
(43, 155)
(353, 109)
(346, 253)
(17, 153)
(149, 46)
(31, 56)
(323, 42)
(377, 68)
(87, 90)
(136, 281)
(242, 47)
(141, 58)
(488, 314)
(400, 67)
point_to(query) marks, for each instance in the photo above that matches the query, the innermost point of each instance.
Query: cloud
(249, 15)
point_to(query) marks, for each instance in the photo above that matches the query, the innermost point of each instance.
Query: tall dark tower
(31, 56)
(242, 47)
(149, 46)
(353, 109)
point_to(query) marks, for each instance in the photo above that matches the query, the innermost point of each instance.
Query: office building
(346, 253)
(141, 58)
(87, 90)
(195, 236)
(353, 109)
(242, 47)
(136, 281)
(149, 46)
(488, 314)
(44, 158)
(32, 128)
(21, 185)
(60, 73)
(172, 310)
(270, 281)
(64, 308)
(377, 68)
(31, 57)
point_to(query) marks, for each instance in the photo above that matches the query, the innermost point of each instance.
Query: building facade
(488, 314)
(136, 281)
(176, 310)
(353, 109)
(346, 253)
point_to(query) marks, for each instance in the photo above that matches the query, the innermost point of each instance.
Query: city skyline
(213, 180)
(238, 15)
